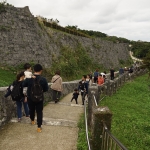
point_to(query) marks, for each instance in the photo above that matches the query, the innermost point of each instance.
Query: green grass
(6, 77)
(131, 114)
(82, 144)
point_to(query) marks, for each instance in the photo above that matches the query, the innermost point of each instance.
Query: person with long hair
(21, 100)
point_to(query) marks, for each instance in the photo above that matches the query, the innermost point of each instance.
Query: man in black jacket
(33, 105)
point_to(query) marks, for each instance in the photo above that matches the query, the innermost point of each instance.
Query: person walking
(16, 92)
(121, 71)
(56, 86)
(96, 74)
(83, 88)
(75, 95)
(112, 74)
(35, 100)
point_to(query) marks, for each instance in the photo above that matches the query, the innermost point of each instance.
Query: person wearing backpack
(16, 92)
(56, 86)
(35, 89)
(96, 74)
(83, 88)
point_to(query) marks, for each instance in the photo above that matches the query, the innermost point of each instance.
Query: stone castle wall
(23, 39)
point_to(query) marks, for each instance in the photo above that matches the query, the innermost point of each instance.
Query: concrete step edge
(49, 121)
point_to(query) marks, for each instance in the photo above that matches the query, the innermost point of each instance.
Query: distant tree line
(140, 49)
(98, 34)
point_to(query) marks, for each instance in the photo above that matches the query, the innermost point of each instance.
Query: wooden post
(100, 114)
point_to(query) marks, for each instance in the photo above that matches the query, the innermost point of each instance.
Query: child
(75, 95)
(28, 71)
(28, 74)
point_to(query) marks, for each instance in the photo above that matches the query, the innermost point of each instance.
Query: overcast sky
(122, 18)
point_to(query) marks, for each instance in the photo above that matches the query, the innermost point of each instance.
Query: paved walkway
(59, 129)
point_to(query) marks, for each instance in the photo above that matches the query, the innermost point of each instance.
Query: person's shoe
(39, 130)
(33, 122)
(55, 101)
(19, 119)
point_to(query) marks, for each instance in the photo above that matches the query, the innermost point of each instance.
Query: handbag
(54, 81)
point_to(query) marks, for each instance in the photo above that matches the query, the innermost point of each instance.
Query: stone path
(59, 129)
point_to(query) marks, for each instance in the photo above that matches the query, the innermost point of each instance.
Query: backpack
(36, 90)
(17, 91)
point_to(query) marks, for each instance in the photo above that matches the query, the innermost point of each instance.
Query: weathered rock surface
(23, 39)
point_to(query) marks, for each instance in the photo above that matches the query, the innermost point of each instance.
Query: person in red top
(100, 80)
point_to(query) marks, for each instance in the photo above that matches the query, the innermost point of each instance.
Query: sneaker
(33, 122)
(19, 119)
(39, 130)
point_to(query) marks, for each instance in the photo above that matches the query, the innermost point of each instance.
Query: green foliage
(86, 32)
(121, 62)
(82, 144)
(115, 39)
(6, 77)
(2, 7)
(140, 49)
(130, 107)
(5, 28)
(73, 63)
(146, 61)
(97, 46)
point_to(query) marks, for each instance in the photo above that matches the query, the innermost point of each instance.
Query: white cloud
(123, 18)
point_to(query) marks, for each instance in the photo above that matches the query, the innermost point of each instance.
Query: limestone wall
(23, 39)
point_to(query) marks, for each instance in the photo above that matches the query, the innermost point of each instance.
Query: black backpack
(36, 90)
(17, 91)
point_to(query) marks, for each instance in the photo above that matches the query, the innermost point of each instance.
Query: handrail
(86, 126)
(117, 141)
(95, 100)
(102, 98)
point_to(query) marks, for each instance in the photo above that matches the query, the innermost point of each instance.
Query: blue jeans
(19, 108)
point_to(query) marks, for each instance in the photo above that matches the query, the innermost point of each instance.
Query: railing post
(111, 88)
(115, 86)
(100, 114)
(108, 87)
(93, 89)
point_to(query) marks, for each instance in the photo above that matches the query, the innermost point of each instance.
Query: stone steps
(48, 121)
(68, 104)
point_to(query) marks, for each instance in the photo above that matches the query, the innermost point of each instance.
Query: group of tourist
(28, 89)
(86, 81)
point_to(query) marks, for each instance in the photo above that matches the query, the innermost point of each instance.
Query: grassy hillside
(6, 77)
(130, 107)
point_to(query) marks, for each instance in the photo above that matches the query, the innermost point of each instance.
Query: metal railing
(86, 126)
(109, 142)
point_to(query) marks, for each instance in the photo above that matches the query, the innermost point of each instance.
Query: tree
(146, 61)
